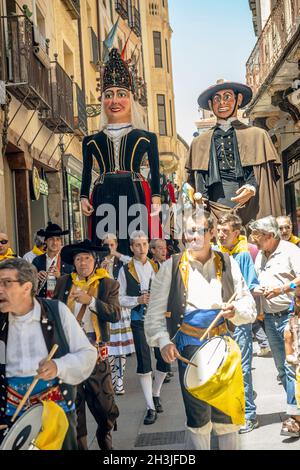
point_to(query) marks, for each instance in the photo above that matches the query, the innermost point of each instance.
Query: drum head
(208, 358)
(25, 430)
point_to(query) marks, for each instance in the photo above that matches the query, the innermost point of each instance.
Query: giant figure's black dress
(119, 175)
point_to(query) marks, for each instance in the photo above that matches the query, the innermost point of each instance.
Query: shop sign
(44, 189)
(2, 92)
(294, 169)
(36, 184)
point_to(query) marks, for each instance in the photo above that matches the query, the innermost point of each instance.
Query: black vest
(133, 287)
(53, 333)
(177, 300)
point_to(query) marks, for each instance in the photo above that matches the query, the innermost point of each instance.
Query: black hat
(208, 94)
(116, 72)
(52, 230)
(69, 251)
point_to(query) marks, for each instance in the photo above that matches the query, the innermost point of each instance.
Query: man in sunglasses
(5, 249)
(286, 230)
(186, 295)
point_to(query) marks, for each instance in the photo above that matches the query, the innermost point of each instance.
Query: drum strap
(198, 332)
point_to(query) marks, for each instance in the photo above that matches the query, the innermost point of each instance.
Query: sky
(211, 39)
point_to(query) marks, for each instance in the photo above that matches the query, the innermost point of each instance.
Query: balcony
(122, 8)
(73, 7)
(279, 33)
(142, 93)
(134, 21)
(28, 76)
(80, 120)
(60, 119)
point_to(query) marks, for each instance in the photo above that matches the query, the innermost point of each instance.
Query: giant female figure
(119, 150)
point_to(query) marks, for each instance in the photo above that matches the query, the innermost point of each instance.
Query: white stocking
(159, 378)
(146, 384)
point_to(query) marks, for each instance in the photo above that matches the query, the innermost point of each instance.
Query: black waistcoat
(53, 333)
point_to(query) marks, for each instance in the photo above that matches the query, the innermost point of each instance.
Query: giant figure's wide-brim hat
(52, 230)
(69, 251)
(208, 94)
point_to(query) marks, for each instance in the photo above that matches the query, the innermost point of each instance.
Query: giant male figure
(233, 164)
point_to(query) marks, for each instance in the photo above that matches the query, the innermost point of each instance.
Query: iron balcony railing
(73, 7)
(122, 8)
(28, 76)
(280, 29)
(134, 21)
(60, 118)
(80, 120)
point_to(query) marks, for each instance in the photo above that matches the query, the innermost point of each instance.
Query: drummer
(27, 334)
(186, 285)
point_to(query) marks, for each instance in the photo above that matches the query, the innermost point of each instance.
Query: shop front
(291, 159)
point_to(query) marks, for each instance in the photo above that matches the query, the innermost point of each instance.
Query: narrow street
(168, 431)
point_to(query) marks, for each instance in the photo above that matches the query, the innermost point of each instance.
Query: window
(161, 112)
(157, 49)
(171, 117)
(167, 56)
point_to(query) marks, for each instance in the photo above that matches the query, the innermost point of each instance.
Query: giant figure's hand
(244, 194)
(87, 207)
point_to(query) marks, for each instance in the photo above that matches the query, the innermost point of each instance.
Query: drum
(23, 432)
(218, 379)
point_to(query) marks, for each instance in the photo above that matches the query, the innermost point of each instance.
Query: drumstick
(186, 361)
(217, 318)
(34, 382)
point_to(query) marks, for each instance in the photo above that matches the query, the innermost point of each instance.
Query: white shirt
(204, 292)
(145, 273)
(279, 269)
(26, 347)
(29, 256)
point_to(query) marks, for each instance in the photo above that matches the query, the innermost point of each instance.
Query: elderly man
(234, 164)
(29, 328)
(5, 249)
(159, 251)
(37, 250)
(49, 265)
(286, 230)
(184, 295)
(278, 269)
(135, 280)
(93, 299)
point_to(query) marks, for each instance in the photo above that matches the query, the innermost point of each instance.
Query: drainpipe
(81, 54)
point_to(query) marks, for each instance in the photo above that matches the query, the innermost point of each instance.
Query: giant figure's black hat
(116, 72)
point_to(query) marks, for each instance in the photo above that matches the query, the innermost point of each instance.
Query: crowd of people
(109, 305)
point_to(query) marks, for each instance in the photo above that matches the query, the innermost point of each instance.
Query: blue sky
(211, 39)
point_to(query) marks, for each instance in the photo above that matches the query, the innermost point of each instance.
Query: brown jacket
(107, 302)
(256, 149)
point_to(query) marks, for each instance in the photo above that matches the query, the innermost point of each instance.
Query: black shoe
(166, 379)
(157, 404)
(150, 417)
(170, 374)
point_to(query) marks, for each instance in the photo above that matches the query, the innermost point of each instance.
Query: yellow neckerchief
(85, 285)
(9, 254)
(241, 246)
(132, 270)
(36, 251)
(184, 267)
(294, 239)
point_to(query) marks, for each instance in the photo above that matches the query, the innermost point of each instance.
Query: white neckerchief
(226, 124)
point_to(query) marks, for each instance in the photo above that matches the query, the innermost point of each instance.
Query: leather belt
(198, 332)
